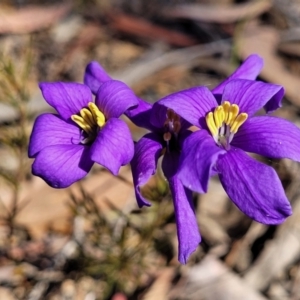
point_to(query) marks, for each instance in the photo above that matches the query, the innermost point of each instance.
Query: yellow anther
(219, 116)
(226, 107)
(233, 112)
(87, 116)
(81, 123)
(97, 114)
(211, 124)
(239, 121)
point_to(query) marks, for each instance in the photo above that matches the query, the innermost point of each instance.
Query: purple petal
(62, 165)
(113, 146)
(48, 130)
(269, 136)
(191, 104)
(249, 69)
(251, 96)
(94, 76)
(140, 115)
(158, 115)
(114, 98)
(147, 151)
(198, 157)
(254, 187)
(67, 98)
(187, 227)
(170, 164)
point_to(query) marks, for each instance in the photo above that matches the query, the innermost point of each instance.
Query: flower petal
(251, 95)
(62, 165)
(67, 98)
(254, 187)
(269, 136)
(143, 165)
(249, 69)
(48, 130)
(187, 227)
(198, 157)
(114, 98)
(140, 115)
(158, 116)
(191, 104)
(94, 76)
(113, 146)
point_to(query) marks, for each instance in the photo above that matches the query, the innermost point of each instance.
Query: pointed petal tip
(183, 257)
(282, 214)
(143, 165)
(95, 76)
(141, 201)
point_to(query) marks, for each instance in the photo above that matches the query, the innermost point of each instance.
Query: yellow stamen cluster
(89, 118)
(225, 114)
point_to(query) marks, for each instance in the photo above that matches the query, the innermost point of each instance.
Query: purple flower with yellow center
(229, 129)
(168, 132)
(66, 145)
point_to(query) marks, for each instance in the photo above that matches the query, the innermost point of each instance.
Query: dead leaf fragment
(31, 18)
(142, 28)
(218, 13)
(212, 280)
(263, 40)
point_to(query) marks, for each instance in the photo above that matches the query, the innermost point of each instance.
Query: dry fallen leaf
(161, 285)
(142, 28)
(278, 254)
(264, 40)
(31, 18)
(211, 279)
(218, 13)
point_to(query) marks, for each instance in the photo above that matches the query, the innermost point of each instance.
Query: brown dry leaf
(278, 254)
(290, 48)
(31, 18)
(161, 285)
(219, 13)
(154, 61)
(6, 293)
(263, 40)
(142, 28)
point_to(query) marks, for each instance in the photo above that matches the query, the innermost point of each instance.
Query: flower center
(224, 122)
(172, 127)
(90, 120)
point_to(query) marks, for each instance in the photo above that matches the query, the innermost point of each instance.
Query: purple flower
(66, 145)
(167, 136)
(228, 130)
(168, 132)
